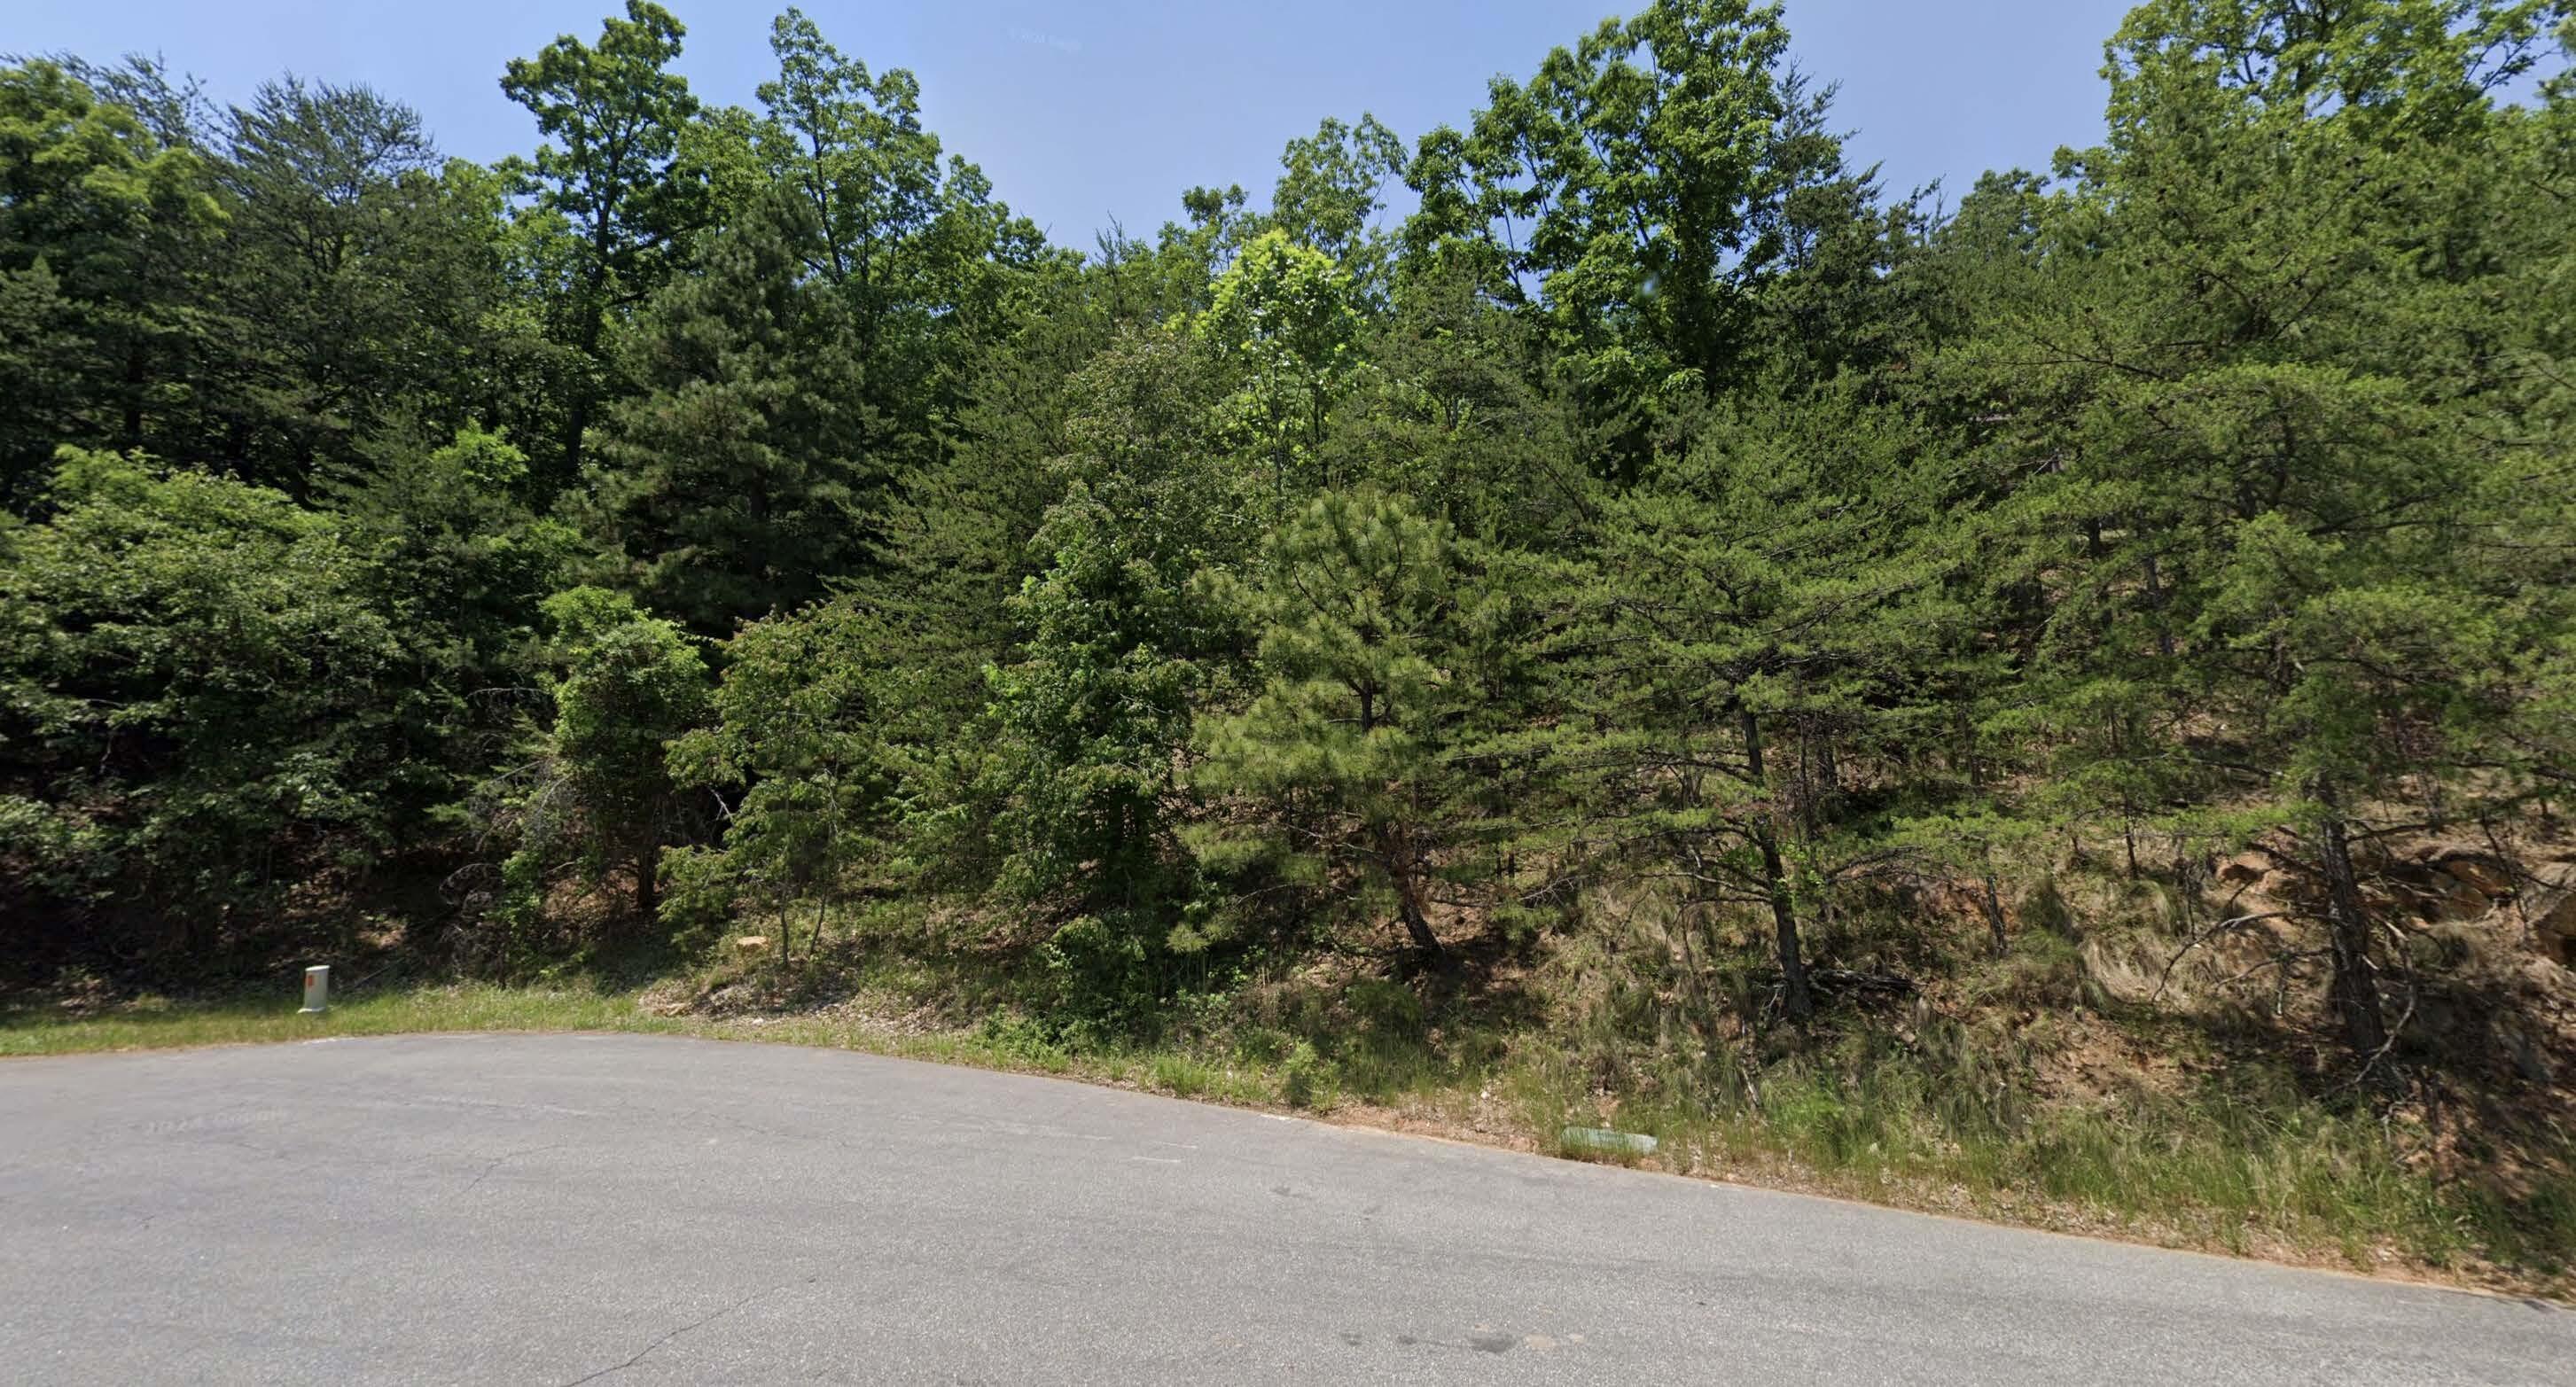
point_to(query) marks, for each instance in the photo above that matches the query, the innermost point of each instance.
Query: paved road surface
(630, 1209)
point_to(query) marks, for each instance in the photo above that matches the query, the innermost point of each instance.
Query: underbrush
(2242, 1164)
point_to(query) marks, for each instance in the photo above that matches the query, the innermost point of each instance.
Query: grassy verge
(2224, 1171)
(156, 1024)
(163, 1024)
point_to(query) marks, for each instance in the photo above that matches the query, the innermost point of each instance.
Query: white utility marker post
(1603, 1139)
(317, 991)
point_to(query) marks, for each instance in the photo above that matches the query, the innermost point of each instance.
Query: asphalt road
(628, 1209)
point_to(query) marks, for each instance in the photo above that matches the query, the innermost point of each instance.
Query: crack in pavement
(493, 1163)
(642, 1353)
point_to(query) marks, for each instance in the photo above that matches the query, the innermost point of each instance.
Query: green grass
(2264, 1173)
(158, 1024)
(162, 1024)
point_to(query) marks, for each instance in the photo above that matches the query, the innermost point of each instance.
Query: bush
(1301, 1081)
(198, 698)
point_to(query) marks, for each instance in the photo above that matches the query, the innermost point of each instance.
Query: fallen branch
(2234, 923)
(1845, 979)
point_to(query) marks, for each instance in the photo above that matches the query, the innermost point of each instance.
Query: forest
(2064, 688)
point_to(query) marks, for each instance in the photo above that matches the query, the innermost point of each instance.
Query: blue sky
(1081, 112)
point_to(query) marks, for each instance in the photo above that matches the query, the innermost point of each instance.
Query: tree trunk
(1418, 927)
(2355, 987)
(1784, 926)
(594, 330)
(648, 887)
(576, 423)
(2156, 594)
(1784, 917)
(1995, 916)
(1404, 870)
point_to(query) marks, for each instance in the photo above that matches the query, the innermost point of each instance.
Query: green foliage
(1097, 705)
(1329, 194)
(459, 565)
(608, 197)
(1386, 666)
(599, 797)
(104, 223)
(1448, 415)
(2289, 539)
(800, 722)
(1301, 1079)
(612, 113)
(852, 147)
(1670, 584)
(929, 266)
(735, 480)
(358, 287)
(198, 693)
(1768, 607)
(1117, 645)
(1286, 320)
(1620, 190)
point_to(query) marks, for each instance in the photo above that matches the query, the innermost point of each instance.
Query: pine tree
(1115, 640)
(739, 478)
(1384, 691)
(1763, 606)
(2275, 436)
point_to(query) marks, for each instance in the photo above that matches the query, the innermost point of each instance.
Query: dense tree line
(739, 515)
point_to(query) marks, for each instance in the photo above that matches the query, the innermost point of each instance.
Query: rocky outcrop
(2553, 910)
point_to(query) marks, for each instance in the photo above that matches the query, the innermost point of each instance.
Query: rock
(2484, 875)
(2528, 1059)
(2463, 902)
(751, 943)
(2299, 886)
(2553, 911)
(2245, 869)
(2553, 898)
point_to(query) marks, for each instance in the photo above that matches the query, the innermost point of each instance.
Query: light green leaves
(1289, 320)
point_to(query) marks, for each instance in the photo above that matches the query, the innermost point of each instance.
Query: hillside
(2058, 703)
